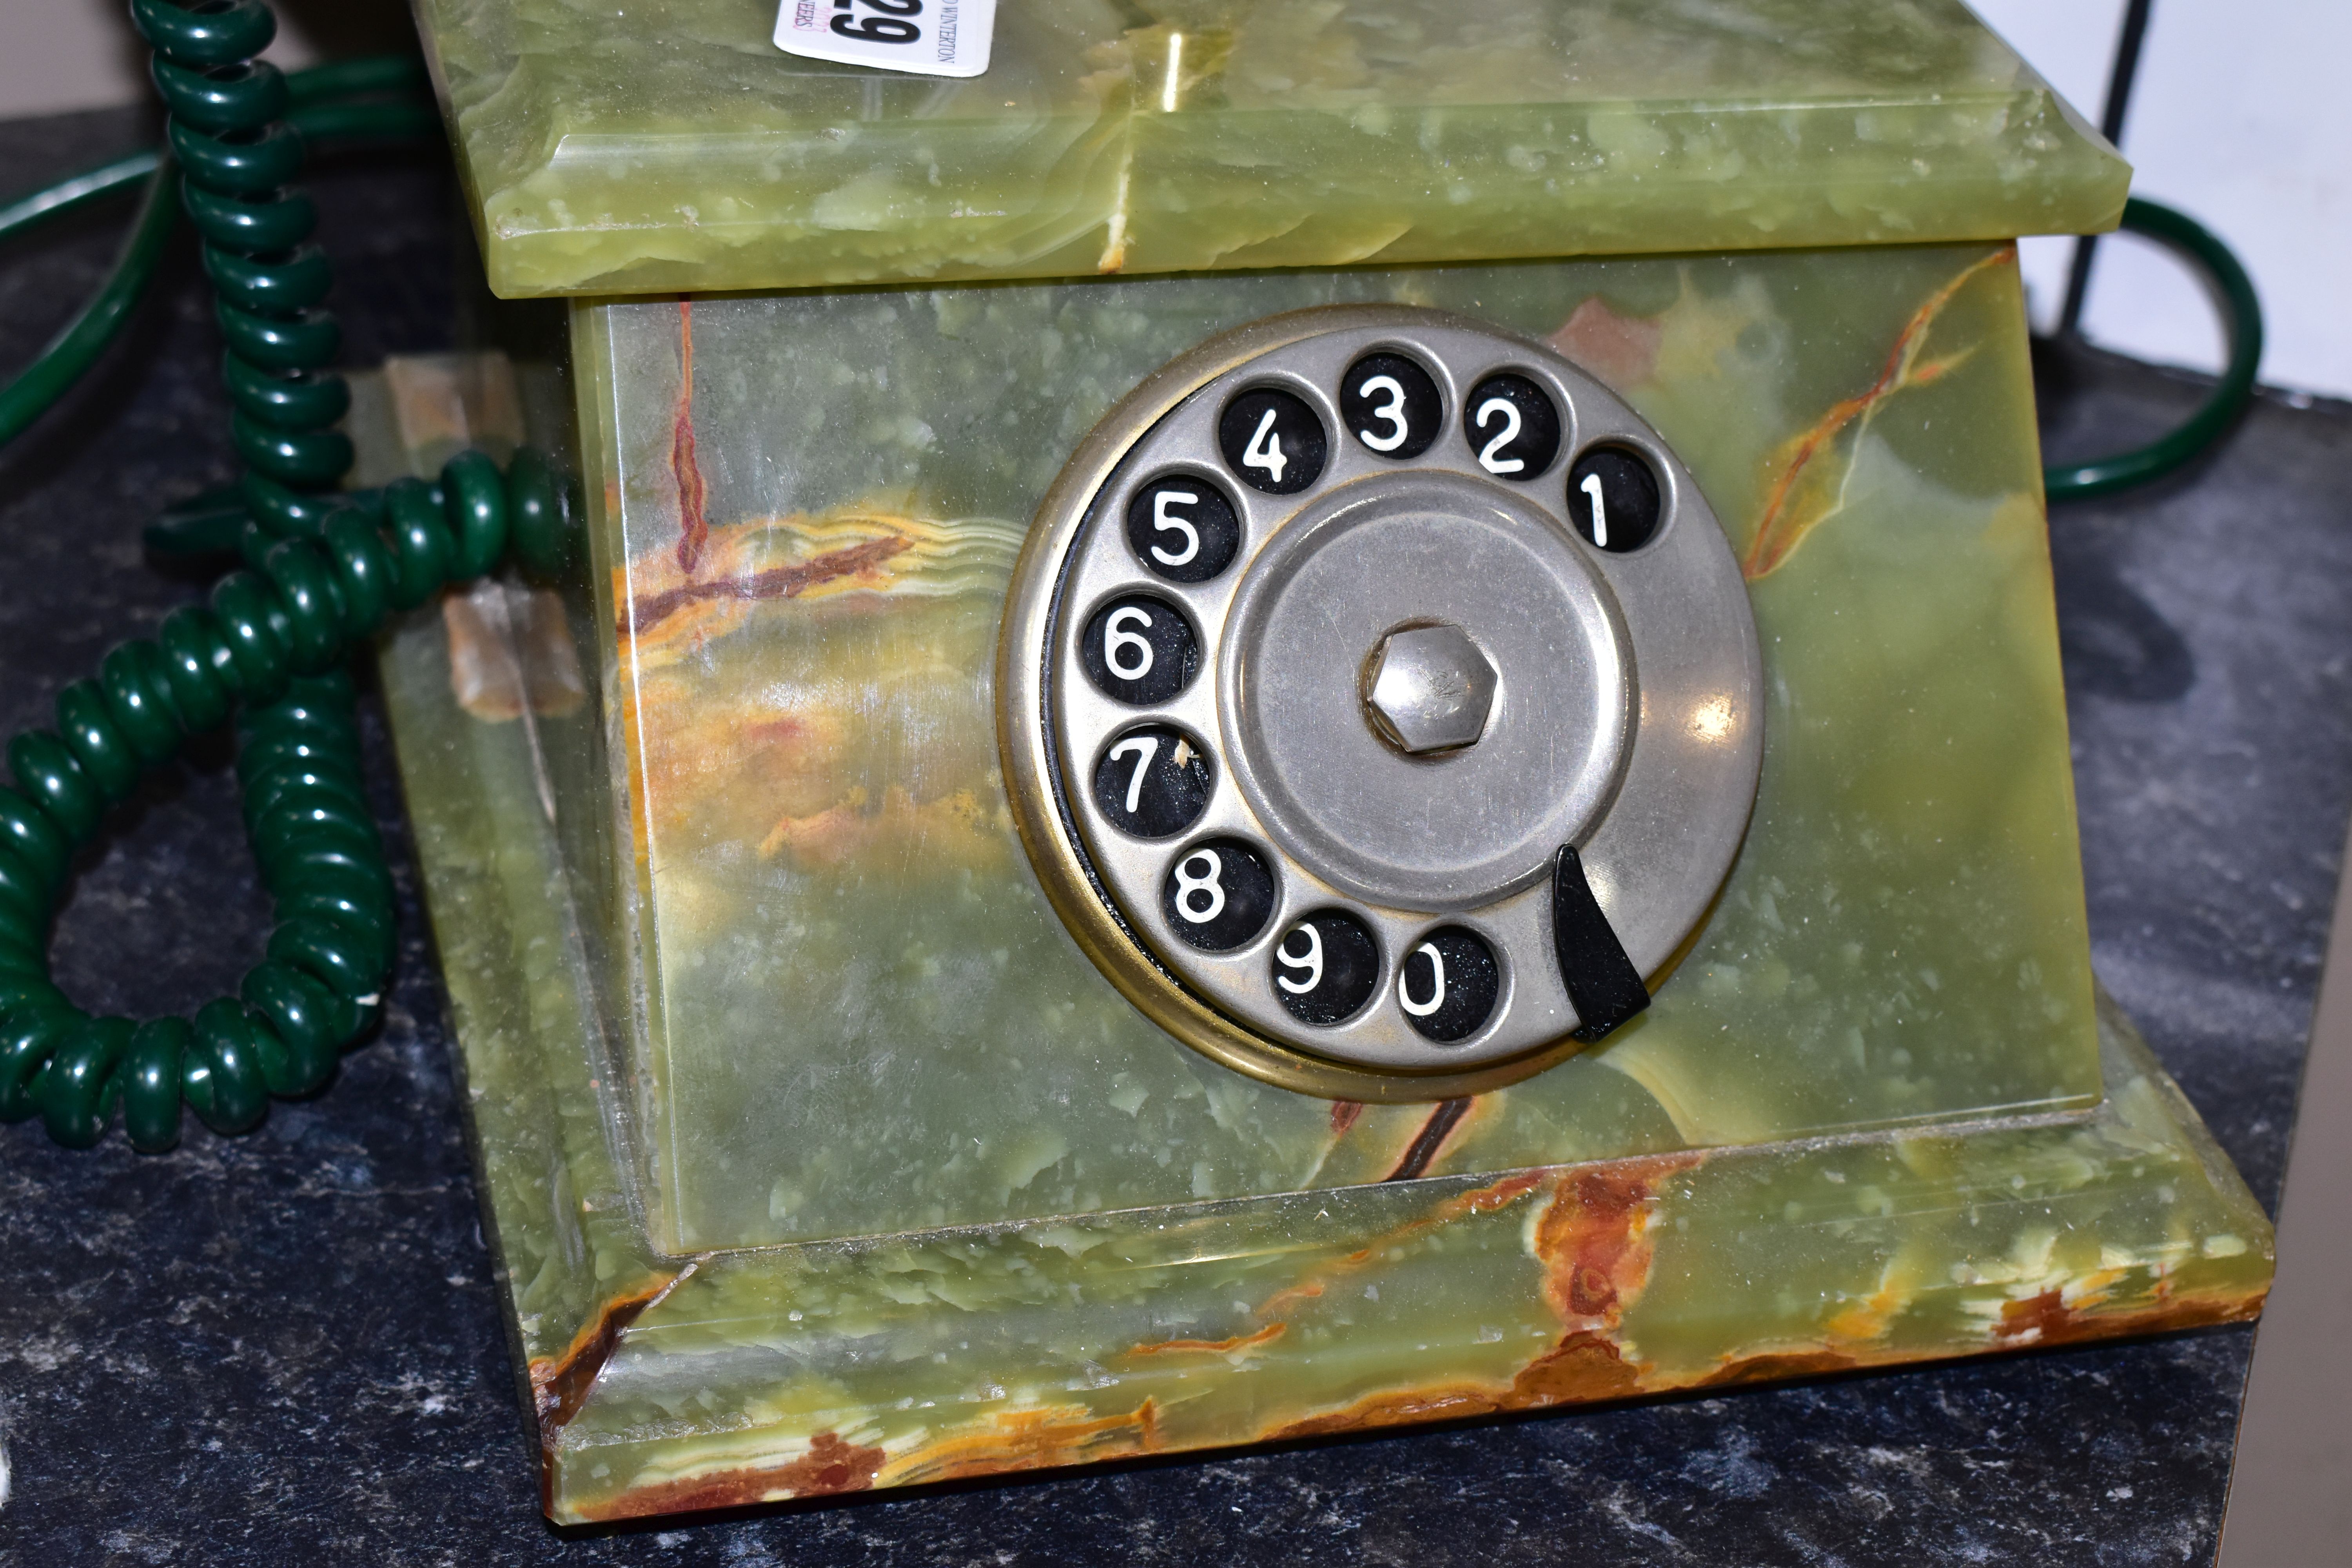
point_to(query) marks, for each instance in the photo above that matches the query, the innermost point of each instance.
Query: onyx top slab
(652, 149)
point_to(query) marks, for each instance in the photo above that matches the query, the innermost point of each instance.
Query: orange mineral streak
(559, 1385)
(1429, 1141)
(904, 837)
(1622, 351)
(648, 619)
(780, 764)
(1030, 1440)
(1592, 1239)
(2046, 1318)
(830, 1465)
(1239, 1343)
(1806, 494)
(1461, 1205)
(694, 527)
(1583, 1368)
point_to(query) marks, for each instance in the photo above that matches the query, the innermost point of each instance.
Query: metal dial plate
(1328, 639)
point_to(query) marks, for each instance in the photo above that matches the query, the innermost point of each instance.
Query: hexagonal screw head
(1430, 689)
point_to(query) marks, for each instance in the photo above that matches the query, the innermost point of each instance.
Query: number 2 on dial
(1490, 456)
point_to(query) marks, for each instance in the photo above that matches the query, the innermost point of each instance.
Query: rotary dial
(1379, 698)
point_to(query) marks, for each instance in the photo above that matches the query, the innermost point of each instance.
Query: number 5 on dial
(1165, 520)
(1184, 528)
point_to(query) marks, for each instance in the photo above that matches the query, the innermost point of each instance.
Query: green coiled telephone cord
(324, 568)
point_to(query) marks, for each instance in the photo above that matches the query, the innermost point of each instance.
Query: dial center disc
(1481, 602)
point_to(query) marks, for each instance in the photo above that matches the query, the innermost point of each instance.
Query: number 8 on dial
(1218, 895)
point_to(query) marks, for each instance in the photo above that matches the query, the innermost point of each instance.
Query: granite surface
(286, 1346)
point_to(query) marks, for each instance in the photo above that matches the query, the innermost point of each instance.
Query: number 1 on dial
(1591, 487)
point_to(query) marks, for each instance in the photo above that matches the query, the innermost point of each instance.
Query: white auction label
(928, 38)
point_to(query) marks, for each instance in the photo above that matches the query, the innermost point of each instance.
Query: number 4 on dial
(1273, 440)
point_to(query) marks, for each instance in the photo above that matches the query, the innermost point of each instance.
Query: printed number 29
(887, 28)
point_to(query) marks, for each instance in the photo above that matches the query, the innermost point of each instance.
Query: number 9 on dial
(1325, 967)
(1217, 895)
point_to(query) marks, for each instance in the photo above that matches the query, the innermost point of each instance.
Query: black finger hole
(1218, 895)
(1448, 984)
(1614, 499)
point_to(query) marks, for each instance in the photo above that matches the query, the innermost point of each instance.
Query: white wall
(2243, 118)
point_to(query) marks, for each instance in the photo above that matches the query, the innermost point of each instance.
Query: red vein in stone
(778, 583)
(1426, 1142)
(693, 525)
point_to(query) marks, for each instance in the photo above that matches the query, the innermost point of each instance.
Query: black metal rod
(2111, 126)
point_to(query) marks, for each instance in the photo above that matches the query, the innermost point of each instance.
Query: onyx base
(664, 1384)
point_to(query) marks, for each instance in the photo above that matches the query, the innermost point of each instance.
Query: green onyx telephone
(1246, 729)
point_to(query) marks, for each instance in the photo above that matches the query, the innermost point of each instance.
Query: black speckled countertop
(286, 1348)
